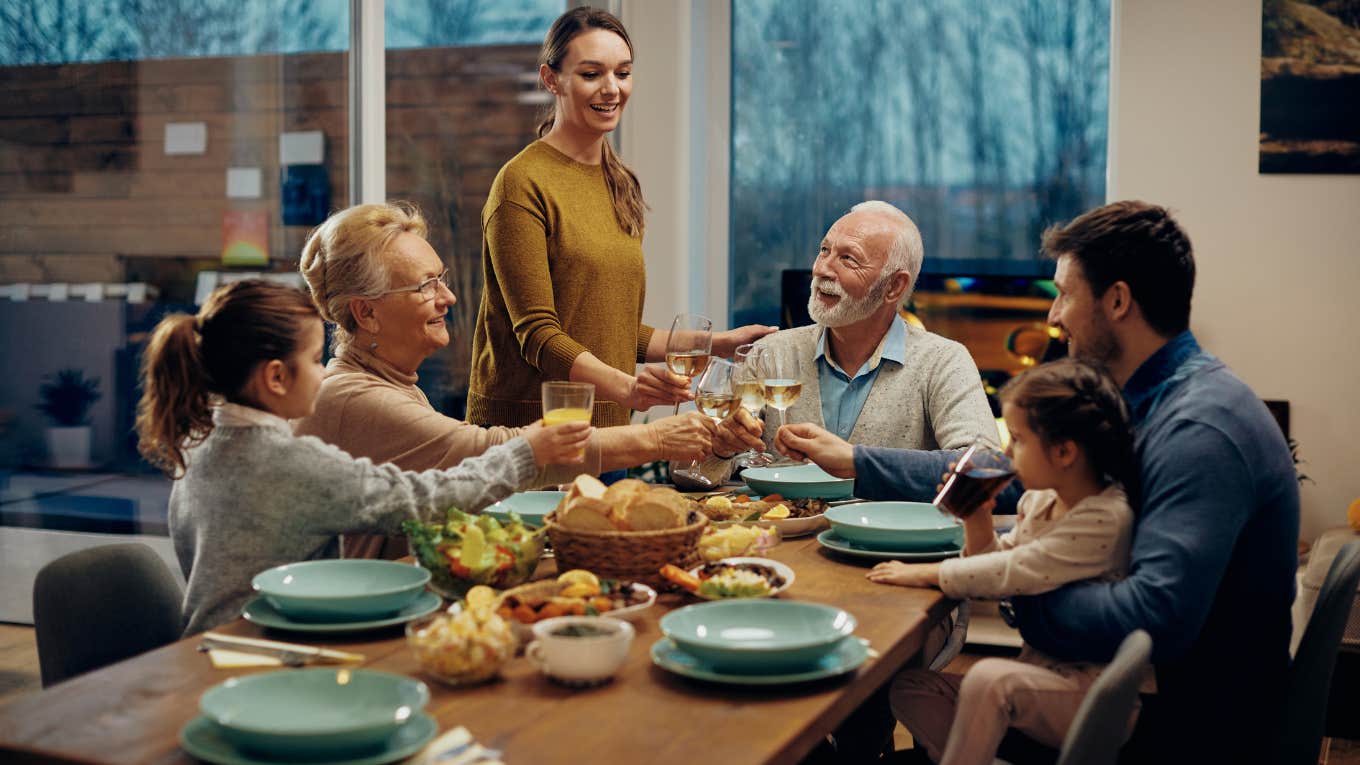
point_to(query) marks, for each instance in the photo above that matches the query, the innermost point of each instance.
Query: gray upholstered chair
(1303, 710)
(101, 605)
(1102, 722)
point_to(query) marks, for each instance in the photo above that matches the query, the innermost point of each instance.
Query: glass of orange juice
(567, 402)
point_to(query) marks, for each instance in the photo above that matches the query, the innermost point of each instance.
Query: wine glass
(689, 345)
(782, 383)
(979, 474)
(747, 384)
(715, 398)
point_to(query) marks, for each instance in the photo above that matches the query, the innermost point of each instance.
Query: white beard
(846, 311)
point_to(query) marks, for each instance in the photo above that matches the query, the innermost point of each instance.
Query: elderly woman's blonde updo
(343, 259)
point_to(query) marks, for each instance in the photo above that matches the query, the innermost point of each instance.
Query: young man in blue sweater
(1215, 542)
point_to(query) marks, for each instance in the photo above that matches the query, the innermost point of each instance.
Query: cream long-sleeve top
(254, 497)
(1090, 541)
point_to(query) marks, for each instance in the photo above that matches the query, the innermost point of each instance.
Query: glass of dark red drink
(980, 473)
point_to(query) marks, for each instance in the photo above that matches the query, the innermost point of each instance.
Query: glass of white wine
(568, 402)
(747, 384)
(689, 345)
(781, 381)
(715, 398)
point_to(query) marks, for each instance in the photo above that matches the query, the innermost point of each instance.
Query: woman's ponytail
(175, 410)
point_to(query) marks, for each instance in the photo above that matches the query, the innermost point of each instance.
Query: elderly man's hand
(738, 433)
(656, 385)
(725, 343)
(683, 437)
(805, 441)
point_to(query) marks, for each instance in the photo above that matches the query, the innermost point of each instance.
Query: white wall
(1278, 255)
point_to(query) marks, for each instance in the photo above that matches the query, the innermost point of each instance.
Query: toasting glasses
(689, 346)
(716, 398)
(748, 384)
(781, 383)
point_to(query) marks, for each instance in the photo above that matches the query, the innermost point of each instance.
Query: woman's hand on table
(725, 343)
(563, 444)
(738, 433)
(683, 437)
(804, 441)
(905, 574)
(655, 385)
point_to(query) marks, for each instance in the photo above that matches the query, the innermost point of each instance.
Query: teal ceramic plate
(530, 505)
(320, 713)
(758, 635)
(335, 590)
(895, 526)
(798, 482)
(202, 739)
(846, 657)
(260, 612)
(831, 541)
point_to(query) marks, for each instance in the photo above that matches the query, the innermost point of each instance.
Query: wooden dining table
(132, 712)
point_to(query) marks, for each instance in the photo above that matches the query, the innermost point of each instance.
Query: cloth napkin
(223, 659)
(456, 747)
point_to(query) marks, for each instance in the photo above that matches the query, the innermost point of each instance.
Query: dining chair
(100, 605)
(957, 635)
(1102, 723)
(1303, 710)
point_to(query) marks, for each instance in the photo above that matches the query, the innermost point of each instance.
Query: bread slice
(584, 485)
(585, 514)
(624, 493)
(657, 510)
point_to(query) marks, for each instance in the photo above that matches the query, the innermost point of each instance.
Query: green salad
(467, 550)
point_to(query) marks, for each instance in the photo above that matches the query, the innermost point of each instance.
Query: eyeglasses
(428, 289)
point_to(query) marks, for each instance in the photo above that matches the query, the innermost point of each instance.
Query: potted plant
(66, 398)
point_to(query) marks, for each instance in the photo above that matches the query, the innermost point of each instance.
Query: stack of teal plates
(892, 531)
(340, 595)
(349, 716)
(758, 642)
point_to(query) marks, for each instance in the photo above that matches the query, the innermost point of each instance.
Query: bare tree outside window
(984, 121)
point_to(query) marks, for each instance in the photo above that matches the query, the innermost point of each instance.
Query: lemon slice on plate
(777, 513)
(580, 576)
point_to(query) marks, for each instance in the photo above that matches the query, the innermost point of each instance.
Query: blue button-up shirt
(843, 395)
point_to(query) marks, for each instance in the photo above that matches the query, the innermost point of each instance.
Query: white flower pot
(69, 447)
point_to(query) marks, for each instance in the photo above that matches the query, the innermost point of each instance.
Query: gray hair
(906, 251)
(344, 259)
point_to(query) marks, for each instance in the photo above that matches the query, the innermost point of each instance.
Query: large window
(984, 121)
(462, 99)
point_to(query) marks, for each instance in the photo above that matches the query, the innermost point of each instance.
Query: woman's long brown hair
(1071, 400)
(624, 189)
(192, 360)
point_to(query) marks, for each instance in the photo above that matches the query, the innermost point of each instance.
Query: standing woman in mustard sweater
(562, 250)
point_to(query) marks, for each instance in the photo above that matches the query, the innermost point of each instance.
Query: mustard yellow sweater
(562, 278)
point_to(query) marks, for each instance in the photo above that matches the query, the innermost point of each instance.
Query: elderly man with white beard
(868, 376)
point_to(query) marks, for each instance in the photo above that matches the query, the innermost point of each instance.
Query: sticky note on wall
(186, 137)
(305, 147)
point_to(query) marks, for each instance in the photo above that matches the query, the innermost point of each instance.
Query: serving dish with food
(733, 578)
(574, 593)
(468, 550)
(793, 517)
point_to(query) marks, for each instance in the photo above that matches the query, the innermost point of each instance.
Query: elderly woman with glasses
(374, 277)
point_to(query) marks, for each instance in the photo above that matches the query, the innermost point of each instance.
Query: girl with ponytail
(218, 391)
(1072, 446)
(562, 249)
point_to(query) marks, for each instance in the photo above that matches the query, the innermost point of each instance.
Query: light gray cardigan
(255, 496)
(932, 401)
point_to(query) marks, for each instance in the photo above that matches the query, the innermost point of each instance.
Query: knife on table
(289, 653)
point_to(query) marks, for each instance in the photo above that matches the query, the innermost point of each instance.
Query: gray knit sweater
(254, 497)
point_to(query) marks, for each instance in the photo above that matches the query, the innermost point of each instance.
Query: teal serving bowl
(530, 505)
(758, 637)
(895, 526)
(341, 590)
(313, 714)
(798, 482)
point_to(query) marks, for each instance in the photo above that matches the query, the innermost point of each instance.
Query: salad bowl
(341, 590)
(468, 550)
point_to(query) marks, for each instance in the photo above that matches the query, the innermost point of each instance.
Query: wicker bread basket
(632, 556)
